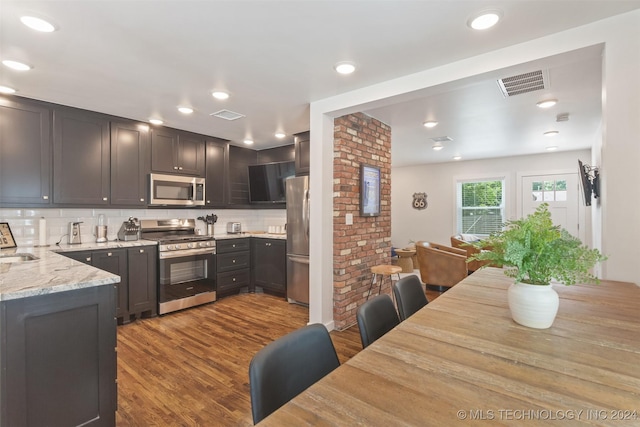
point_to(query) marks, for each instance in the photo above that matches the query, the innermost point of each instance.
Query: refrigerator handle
(305, 213)
(299, 259)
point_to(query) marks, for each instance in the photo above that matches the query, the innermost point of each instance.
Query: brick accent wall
(358, 139)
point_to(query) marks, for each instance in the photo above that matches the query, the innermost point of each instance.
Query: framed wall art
(369, 190)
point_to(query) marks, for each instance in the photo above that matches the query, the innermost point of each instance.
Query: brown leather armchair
(474, 265)
(441, 267)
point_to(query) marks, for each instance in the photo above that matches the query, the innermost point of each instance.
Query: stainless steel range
(187, 263)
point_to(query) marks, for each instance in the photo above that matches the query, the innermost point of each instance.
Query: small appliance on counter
(101, 230)
(74, 233)
(234, 228)
(129, 230)
(209, 220)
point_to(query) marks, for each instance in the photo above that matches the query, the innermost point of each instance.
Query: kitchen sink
(11, 258)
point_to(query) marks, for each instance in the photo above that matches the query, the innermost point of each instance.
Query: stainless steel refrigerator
(297, 193)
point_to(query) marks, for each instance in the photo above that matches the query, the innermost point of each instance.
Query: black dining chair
(410, 296)
(376, 317)
(287, 366)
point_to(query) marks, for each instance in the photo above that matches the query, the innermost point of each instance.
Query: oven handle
(187, 252)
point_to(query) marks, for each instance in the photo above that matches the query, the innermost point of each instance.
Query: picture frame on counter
(6, 236)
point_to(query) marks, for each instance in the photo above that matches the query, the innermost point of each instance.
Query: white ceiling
(139, 59)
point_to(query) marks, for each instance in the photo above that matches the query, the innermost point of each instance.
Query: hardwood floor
(190, 368)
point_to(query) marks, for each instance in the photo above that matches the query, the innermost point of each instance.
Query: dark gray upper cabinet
(239, 160)
(129, 150)
(303, 155)
(177, 152)
(285, 153)
(216, 159)
(25, 153)
(80, 157)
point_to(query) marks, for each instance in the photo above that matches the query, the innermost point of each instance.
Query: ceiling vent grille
(562, 117)
(441, 139)
(522, 83)
(227, 115)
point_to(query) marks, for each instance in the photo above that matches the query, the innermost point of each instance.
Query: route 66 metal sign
(420, 201)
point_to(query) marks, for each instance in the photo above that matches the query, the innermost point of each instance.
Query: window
(480, 206)
(549, 191)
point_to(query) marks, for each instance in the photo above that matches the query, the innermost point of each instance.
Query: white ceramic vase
(534, 306)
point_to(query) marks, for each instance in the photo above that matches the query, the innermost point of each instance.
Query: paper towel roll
(42, 232)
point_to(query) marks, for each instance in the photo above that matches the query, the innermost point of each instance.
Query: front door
(561, 192)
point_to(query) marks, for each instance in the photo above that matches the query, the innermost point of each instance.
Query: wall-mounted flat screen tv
(266, 181)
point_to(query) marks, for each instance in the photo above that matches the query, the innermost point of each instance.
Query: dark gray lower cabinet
(137, 268)
(58, 364)
(269, 265)
(233, 261)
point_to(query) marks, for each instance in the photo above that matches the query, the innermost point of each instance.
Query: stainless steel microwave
(176, 190)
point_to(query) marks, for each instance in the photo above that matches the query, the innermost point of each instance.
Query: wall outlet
(348, 219)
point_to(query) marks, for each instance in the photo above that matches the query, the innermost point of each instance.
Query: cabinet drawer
(233, 280)
(232, 245)
(233, 261)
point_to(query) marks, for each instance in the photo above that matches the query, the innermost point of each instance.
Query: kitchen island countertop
(50, 273)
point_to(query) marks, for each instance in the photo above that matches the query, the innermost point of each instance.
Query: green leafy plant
(535, 251)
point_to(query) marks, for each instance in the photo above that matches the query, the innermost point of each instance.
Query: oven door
(186, 278)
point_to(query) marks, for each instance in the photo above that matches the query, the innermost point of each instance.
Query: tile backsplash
(25, 222)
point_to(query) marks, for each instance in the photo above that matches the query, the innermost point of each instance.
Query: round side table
(405, 260)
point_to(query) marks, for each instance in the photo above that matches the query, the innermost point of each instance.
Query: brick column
(358, 139)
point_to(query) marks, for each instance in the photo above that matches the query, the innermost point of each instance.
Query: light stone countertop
(50, 273)
(53, 272)
(281, 236)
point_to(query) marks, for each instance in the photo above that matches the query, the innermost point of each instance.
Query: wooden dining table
(462, 360)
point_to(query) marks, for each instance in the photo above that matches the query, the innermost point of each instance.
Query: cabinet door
(191, 155)
(59, 359)
(80, 158)
(115, 262)
(142, 263)
(303, 152)
(239, 160)
(82, 256)
(164, 146)
(216, 173)
(129, 149)
(268, 264)
(25, 153)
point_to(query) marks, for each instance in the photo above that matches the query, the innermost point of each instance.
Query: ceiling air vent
(562, 117)
(441, 139)
(227, 115)
(522, 83)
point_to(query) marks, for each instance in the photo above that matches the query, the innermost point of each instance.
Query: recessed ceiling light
(552, 148)
(345, 67)
(280, 135)
(15, 65)
(248, 141)
(38, 24)
(185, 110)
(156, 121)
(7, 90)
(458, 157)
(547, 103)
(551, 133)
(430, 124)
(485, 20)
(437, 146)
(220, 95)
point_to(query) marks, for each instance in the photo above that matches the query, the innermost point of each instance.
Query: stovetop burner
(174, 234)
